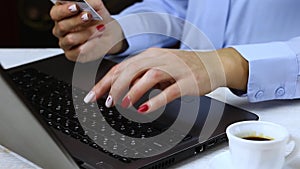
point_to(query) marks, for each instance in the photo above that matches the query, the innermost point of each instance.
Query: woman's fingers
(67, 17)
(75, 24)
(150, 79)
(124, 78)
(74, 39)
(62, 11)
(102, 87)
(121, 77)
(169, 94)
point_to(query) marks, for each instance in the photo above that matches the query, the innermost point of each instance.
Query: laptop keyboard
(61, 106)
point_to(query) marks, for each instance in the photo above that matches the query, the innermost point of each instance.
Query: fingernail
(89, 97)
(100, 27)
(85, 17)
(73, 8)
(142, 109)
(126, 102)
(109, 101)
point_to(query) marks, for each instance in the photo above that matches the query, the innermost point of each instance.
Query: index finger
(61, 11)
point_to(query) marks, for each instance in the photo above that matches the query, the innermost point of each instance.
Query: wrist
(236, 68)
(118, 38)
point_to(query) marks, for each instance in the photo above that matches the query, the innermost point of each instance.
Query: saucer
(221, 161)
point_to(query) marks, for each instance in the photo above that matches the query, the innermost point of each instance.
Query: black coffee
(257, 138)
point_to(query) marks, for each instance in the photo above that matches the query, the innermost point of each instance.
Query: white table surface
(285, 112)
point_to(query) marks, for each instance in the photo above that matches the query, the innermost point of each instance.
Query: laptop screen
(21, 132)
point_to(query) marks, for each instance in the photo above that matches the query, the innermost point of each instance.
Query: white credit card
(84, 6)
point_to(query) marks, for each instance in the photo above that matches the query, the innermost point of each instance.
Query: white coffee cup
(254, 154)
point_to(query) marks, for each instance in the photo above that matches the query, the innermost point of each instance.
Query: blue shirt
(265, 32)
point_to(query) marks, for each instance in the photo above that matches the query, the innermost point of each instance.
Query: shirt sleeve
(274, 70)
(152, 23)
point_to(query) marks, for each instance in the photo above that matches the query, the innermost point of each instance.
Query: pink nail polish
(90, 97)
(109, 101)
(73, 8)
(85, 17)
(126, 102)
(142, 109)
(100, 27)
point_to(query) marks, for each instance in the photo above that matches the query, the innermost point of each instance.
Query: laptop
(44, 119)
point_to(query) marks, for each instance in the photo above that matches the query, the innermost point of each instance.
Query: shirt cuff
(273, 71)
(129, 25)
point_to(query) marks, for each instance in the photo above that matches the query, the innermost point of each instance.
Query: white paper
(10, 57)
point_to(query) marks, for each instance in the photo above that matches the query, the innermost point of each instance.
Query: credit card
(84, 6)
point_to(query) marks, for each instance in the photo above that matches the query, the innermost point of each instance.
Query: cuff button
(259, 94)
(280, 91)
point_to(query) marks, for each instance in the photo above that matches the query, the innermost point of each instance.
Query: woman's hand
(176, 72)
(82, 38)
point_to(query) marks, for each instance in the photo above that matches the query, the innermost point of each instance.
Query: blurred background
(27, 24)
